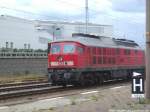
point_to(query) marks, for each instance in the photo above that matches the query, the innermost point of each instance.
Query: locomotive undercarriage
(84, 78)
(62, 77)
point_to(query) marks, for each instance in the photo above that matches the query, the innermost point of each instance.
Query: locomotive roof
(101, 41)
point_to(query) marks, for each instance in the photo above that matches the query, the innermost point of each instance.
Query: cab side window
(49, 49)
(80, 50)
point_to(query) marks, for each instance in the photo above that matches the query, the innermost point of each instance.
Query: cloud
(129, 5)
(8, 3)
(58, 6)
(23, 2)
(65, 7)
(127, 16)
(100, 5)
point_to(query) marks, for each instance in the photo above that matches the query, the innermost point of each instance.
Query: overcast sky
(127, 16)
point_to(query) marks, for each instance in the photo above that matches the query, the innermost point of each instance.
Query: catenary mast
(86, 16)
(147, 49)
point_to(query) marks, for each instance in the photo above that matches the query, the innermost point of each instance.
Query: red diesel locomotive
(88, 59)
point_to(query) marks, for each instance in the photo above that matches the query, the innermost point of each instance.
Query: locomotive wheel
(92, 80)
(82, 80)
(64, 85)
(100, 80)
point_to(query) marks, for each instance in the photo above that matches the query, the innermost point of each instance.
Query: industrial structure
(35, 34)
(20, 32)
(66, 29)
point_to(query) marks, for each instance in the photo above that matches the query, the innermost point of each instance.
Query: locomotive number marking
(70, 63)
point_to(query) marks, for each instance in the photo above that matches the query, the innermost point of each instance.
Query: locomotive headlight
(70, 63)
(54, 63)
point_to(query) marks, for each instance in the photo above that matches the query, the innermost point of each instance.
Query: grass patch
(51, 108)
(41, 110)
(129, 104)
(73, 101)
(132, 106)
(138, 104)
(94, 97)
(117, 100)
(113, 106)
(21, 78)
(143, 101)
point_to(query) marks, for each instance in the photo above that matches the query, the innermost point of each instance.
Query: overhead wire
(31, 13)
(93, 12)
(90, 9)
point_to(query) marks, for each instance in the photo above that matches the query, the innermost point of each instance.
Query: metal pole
(147, 49)
(7, 44)
(11, 45)
(87, 16)
(53, 28)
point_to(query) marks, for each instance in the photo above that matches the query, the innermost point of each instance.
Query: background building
(36, 34)
(65, 29)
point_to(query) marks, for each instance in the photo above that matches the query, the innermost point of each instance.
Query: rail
(44, 88)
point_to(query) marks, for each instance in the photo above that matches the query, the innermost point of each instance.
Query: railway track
(21, 87)
(41, 88)
(28, 89)
(21, 83)
(26, 92)
(11, 90)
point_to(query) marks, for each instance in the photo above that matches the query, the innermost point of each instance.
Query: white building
(65, 29)
(20, 32)
(37, 33)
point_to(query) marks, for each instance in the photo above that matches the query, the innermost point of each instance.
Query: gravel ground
(117, 99)
(114, 98)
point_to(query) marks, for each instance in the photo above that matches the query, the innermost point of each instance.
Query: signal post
(147, 49)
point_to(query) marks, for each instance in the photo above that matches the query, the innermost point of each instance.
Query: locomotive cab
(64, 54)
(63, 58)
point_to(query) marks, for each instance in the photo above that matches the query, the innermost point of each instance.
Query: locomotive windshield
(66, 48)
(55, 49)
(69, 48)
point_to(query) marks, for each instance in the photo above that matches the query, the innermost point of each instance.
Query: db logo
(61, 63)
(59, 58)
